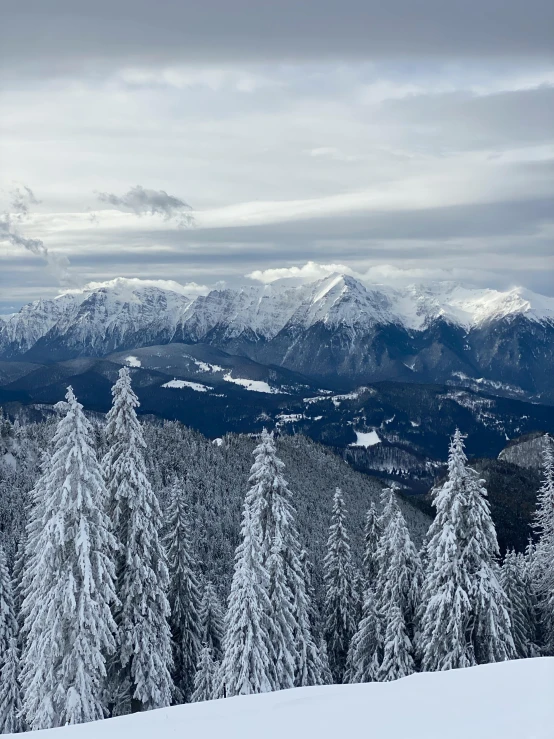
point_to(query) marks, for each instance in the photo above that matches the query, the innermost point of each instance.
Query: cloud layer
(400, 139)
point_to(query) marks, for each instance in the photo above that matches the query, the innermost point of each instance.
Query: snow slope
(511, 700)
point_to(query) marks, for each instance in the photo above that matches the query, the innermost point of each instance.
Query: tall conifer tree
(68, 585)
(339, 596)
(248, 654)
(10, 695)
(184, 593)
(144, 657)
(464, 615)
(273, 515)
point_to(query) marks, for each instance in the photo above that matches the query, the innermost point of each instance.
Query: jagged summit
(336, 327)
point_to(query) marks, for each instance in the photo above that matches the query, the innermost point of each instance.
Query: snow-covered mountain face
(335, 327)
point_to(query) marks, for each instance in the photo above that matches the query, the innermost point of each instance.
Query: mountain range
(337, 330)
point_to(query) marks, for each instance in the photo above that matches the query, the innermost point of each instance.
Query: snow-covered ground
(180, 384)
(511, 700)
(366, 438)
(257, 386)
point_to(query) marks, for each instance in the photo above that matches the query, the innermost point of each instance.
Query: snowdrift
(511, 700)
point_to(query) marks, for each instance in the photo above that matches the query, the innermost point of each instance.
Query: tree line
(107, 611)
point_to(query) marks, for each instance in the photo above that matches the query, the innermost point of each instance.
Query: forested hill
(216, 480)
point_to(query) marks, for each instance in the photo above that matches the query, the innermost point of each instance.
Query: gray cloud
(62, 32)
(21, 198)
(142, 201)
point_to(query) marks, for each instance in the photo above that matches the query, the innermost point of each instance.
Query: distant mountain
(395, 430)
(336, 330)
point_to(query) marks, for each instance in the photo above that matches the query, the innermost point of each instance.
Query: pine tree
(184, 593)
(397, 652)
(399, 579)
(372, 534)
(144, 662)
(543, 557)
(273, 514)
(8, 623)
(326, 676)
(363, 654)
(463, 608)
(204, 680)
(10, 696)
(248, 654)
(492, 630)
(211, 618)
(520, 606)
(68, 584)
(339, 597)
(11, 721)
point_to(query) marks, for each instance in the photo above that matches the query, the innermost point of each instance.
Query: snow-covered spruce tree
(8, 622)
(492, 630)
(372, 533)
(363, 654)
(204, 680)
(10, 696)
(184, 593)
(248, 655)
(273, 516)
(339, 621)
(543, 555)
(212, 617)
(520, 604)
(313, 613)
(397, 650)
(326, 676)
(68, 585)
(399, 579)
(463, 613)
(142, 670)
(11, 721)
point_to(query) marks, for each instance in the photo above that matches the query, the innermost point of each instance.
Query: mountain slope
(509, 700)
(333, 328)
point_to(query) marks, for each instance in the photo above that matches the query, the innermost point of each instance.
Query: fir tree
(184, 593)
(68, 584)
(463, 610)
(339, 597)
(8, 623)
(397, 652)
(205, 678)
(326, 676)
(399, 579)
(543, 556)
(247, 651)
(145, 658)
(492, 629)
(11, 721)
(520, 606)
(211, 618)
(372, 534)
(273, 514)
(10, 697)
(363, 654)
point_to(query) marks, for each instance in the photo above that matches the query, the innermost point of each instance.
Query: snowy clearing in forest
(133, 361)
(508, 700)
(257, 386)
(366, 438)
(192, 385)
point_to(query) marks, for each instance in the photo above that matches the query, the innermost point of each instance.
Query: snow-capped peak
(419, 305)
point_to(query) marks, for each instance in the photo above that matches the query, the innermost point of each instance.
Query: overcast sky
(248, 140)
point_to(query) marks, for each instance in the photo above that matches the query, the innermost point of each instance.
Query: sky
(234, 142)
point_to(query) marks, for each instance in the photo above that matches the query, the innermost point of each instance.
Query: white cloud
(188, 289)
(309, 272)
